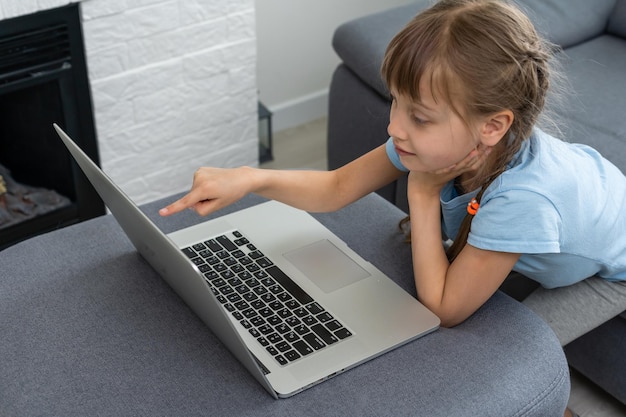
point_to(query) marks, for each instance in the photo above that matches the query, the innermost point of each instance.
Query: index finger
(179, 205)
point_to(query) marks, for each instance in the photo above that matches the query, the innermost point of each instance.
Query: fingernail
(163, 211)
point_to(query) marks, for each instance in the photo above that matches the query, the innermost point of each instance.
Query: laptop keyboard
(281, 316)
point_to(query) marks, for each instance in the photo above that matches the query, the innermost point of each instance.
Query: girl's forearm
(316, 191)
(430, 264)
(320, 191)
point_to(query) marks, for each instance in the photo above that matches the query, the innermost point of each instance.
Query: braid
(461, 238)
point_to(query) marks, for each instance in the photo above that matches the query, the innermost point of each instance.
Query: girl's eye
(419, 120)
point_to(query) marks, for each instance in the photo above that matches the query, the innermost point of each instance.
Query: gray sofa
(593, 37)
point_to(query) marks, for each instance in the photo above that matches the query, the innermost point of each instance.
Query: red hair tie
(472, 206)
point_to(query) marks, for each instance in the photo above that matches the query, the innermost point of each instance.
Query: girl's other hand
(212, 189)
(432, 182)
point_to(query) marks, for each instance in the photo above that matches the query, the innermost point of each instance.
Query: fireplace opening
(43, 80)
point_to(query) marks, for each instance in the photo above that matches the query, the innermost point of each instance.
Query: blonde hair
(492, 51)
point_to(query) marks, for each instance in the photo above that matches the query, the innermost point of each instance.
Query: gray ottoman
(88, 328)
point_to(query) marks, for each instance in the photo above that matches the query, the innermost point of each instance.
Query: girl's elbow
(449, 318)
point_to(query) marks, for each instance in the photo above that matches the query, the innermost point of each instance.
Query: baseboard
(299, 111)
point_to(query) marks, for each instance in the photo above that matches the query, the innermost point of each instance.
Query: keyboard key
(233, 298)
(256, 254)
(264, 262)
(249, 313)
(282, 328)
(205, 253)
(292, 355)
(291, 337)
(265, 329)
(274, 338)
(333, 325)
(211, 275)
(260, 290)
(198, 247)
(324, 317)
(343, 333)
(257, 321)
(285, 297)
(309, 320)
(226, 243)
(275, 305)
(314, 308)
(283, 346)
(284, 313)
(301, 329)
(303, 348)
(198, 261)
(189, 252)
(213, 245)
(218, 282)
(292, 321)
(274, 320)
(326, 336)
(315, 342)
(250, 296)
(241, 242)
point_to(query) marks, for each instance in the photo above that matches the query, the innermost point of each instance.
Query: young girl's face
(428, 135)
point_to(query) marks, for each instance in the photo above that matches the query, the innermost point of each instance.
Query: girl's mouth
(402, 152)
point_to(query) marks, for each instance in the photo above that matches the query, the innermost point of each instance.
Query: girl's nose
(394, 128)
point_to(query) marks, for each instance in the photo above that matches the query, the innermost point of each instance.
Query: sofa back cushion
(361, 43)
(569, 22)
(617, 22)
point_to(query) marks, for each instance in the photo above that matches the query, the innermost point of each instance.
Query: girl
(468, 80)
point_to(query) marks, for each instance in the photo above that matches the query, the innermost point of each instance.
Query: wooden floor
(304, 147)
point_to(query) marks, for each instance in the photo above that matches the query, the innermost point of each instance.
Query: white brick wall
(173, 85)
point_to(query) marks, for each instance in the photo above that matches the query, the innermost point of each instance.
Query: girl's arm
(453, 291)
(315, 191)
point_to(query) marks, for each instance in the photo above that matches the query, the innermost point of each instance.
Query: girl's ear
(495, 127)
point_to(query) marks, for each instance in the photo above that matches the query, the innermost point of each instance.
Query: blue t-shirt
(561, 205)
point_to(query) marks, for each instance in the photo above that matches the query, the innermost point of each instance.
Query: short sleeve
(393, 156)
(517, 221)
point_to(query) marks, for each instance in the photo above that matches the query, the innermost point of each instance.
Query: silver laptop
(287, 297)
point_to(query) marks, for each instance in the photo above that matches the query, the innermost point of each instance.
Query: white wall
(173, 84)
(295, 59)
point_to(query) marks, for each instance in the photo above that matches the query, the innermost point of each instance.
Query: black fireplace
(43, 80)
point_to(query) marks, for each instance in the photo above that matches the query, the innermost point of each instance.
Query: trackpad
(326, 265)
